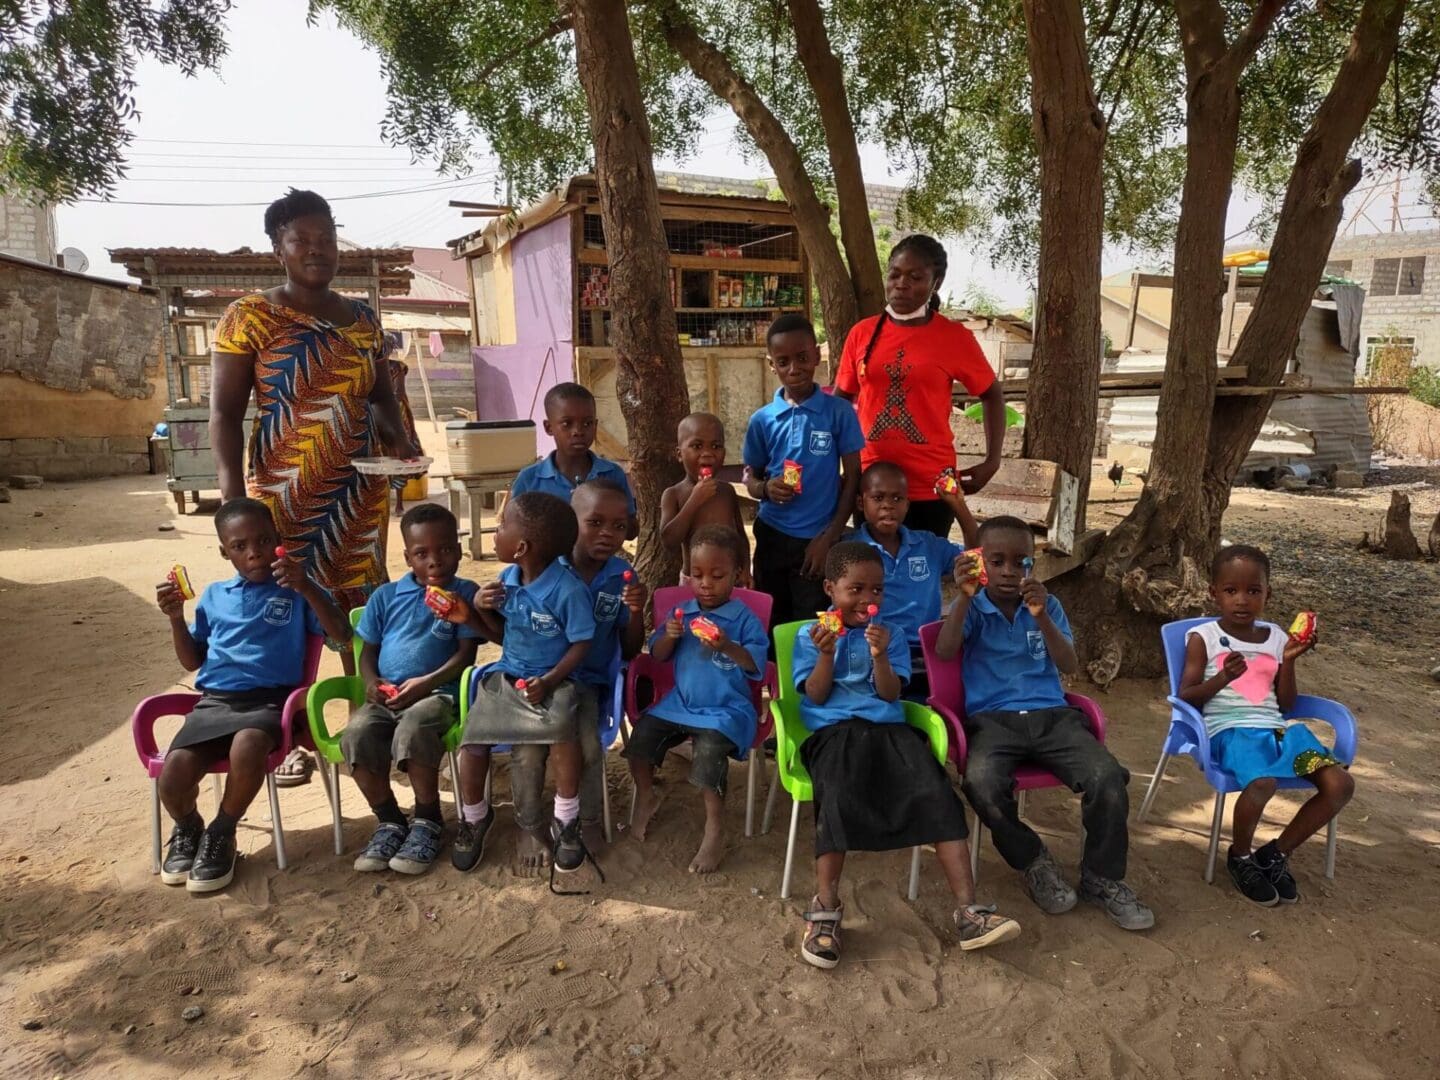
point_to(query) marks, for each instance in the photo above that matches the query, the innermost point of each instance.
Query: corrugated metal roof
(223, 267)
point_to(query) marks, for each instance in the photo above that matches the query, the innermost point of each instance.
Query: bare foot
(645, 807)
(593, 833)
(532, 852)
(712, 850)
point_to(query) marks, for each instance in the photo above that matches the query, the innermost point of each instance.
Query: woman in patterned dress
(314, 362)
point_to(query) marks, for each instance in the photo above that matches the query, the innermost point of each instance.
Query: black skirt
(221, 713)
(878, 787)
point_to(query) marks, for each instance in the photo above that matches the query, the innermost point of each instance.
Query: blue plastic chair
(1188, 736)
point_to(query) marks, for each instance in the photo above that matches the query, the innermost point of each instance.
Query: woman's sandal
(295, 769)
(821, 946)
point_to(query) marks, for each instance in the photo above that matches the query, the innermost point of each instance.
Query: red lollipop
(629, 575)
(679, 613)
(280, 552)
(519, 684)
(873, 610)
(706, 472)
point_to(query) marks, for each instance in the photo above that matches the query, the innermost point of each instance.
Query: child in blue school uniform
(916, 561)
(711, 702)
(817, 432)
(877, 784)
(410, 662)
(248, 643)
(543, 613)
(1016, 641)
(571, 421)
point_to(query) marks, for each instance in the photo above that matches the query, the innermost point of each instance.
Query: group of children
(567, 608)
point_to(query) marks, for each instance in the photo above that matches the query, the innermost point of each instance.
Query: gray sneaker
(1119, 901)
(1046, 887)
(421, 847)
(383, 845)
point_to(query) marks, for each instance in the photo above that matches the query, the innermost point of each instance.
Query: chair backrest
(355, 642)
(672, 596)
(790, 732)
(947, 684)
(1172, 634)
(314, 650)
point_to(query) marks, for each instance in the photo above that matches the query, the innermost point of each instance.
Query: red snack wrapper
(977, 558)
(389, 689)
(790, 474)
(181, 580)
(704, 629)
(946, 484)
(830, 620)
(1304, 626)
(439, 601)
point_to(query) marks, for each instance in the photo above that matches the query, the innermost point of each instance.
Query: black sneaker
(1276, 868)
(1252, 881)
(568, 853)
(469, 846)
(184, 840)
(214, 862)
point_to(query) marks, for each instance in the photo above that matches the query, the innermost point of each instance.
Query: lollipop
(520, 685)
(1027, 564)
(679, 613)
(280, 552)
(706, 472)
(628, 576)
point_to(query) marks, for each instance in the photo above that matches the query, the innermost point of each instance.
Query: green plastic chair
(351, 688)
(790, 732)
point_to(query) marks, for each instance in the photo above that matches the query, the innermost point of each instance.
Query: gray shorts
(502, 715)
(376, 737)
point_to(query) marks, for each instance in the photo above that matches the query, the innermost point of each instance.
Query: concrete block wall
(74, 457)
(1416, 317)
(27, 230)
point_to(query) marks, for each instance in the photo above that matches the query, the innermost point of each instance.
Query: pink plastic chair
(947, 697)
(662, 679)
(142, 727)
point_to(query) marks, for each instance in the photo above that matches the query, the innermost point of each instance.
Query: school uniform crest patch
(919, 568)
(821, 443)
(279, 610)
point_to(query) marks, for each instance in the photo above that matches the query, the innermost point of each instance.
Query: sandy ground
(666, 974)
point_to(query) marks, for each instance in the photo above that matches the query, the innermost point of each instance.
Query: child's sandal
(821, 946)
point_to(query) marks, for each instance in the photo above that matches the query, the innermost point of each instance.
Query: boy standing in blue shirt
(1016, 640)
(711, 702)
(818, 432)
(916, 561)
(570, 420)
(411, 662)
(248, 643)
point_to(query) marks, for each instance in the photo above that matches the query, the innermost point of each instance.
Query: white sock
(567, 810)
(474, 813)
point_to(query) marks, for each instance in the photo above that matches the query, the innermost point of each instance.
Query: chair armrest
(349, 688)
(765, 719)
(642, 666)
(959, 750)
(1347, 734)
(930, 722)
(1185, 715)
(294, 704)
(1090, 709)
(142, 720)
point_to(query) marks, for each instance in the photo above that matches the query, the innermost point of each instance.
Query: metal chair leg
(455, 781)
(1332, 838)
(276, 827)
(976, 838)
(489, 774)
(219, 790)
(1020, 803)
(1154, 788)
(750, 795)
(605, 809)
(914, 891)
(334, 768)
(790, 850)
(1215, 823)
(770, 799)
(155, 847)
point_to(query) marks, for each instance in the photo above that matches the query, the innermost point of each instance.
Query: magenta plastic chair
(662, 679)
(947, 697)
(152, 758)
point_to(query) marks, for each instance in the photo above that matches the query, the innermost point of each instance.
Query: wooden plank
(1133, 312)
(1064, 513)
(1034, 511)
(712, 384)
(1228, 316)
(1294, 391)
(1051, 563)
(709, 262)
(739, 216)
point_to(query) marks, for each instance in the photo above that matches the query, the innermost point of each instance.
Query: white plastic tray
(392, 466)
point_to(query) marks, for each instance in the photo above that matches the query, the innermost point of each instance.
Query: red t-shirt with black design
(903, 397)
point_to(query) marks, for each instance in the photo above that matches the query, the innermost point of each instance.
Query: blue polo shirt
(253, 635)
(611, 616)
(913, 578)
(543, 476)
(816, 433)
(1005, 664)
(543, 619)
(852, 693)
(711, 690)
(413, 640)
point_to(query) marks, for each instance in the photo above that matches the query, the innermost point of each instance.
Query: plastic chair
(662, 679)
(947, 697)
(611, 717)
(1188, 736)
(790, 732)
(142, 728)
(350, 688)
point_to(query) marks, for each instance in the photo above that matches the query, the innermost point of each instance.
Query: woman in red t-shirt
(900, 368)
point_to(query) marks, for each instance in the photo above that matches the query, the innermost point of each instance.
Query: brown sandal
(295, 769)
(821, 946)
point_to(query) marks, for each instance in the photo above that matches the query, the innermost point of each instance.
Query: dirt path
(666, 974)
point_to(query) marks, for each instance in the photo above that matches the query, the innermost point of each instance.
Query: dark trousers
(778, 558)
(1056, 740)
(932, 515)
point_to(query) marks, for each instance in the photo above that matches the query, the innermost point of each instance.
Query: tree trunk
(1309, 216)
(1398, 540)
(812, 218)
(650, 379)
(827, 83)
(1062, 403)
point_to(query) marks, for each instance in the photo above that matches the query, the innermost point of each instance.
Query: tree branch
(561, 25)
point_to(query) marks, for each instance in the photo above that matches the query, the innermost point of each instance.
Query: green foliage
(67, 83)
(1425, 386)
(980, 300)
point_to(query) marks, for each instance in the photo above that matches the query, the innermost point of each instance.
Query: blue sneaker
(420, 849)
(382, 847)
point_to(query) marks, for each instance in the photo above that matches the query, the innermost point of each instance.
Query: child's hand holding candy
(634, 594)
(878, 638)
(675, 625)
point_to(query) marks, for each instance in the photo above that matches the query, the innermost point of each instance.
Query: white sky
(240, 137)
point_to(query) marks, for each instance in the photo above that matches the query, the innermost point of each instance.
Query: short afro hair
(291, 206)
(1239, 553)
(718, 536)
(884, 468)
(601, 485)
(788, 323)
(546, 523)
(566, 391)
(427, 513)
(849, 553)
(1004, 523)
(239, 508)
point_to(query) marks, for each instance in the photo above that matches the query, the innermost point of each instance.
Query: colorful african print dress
(312, 390)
